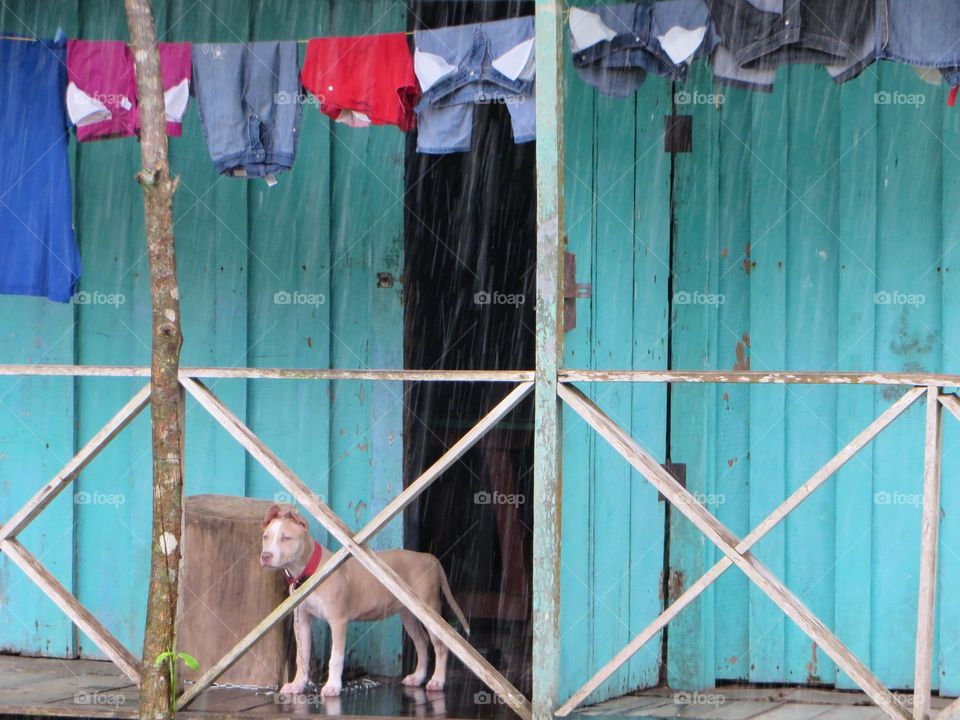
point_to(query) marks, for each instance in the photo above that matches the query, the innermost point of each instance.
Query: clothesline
(304, 41)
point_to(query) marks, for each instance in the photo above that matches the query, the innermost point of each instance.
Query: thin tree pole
(166, 399)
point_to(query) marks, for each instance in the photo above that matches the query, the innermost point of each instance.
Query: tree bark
(166, 399)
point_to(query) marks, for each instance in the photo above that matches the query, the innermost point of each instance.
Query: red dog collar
(309, 570)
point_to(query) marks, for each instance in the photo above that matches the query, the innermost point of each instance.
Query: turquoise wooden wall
(812, 231)
(327, 228)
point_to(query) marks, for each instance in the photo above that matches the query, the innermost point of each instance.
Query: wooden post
(929, 540)
(166, 400)
(549, 352)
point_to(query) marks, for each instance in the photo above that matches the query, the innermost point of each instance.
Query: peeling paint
(743, 360)
(746, 259)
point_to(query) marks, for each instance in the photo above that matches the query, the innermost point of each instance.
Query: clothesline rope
(300, 42)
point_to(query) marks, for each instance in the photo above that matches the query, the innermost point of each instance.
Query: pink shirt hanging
(102, 88)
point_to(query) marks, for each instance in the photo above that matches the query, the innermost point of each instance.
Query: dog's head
(284, 535)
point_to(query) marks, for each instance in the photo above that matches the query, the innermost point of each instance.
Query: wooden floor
(733, 703)
(93, 689)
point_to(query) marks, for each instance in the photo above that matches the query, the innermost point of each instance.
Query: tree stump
(225, 593)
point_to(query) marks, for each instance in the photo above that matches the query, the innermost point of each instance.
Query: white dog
(352, 593)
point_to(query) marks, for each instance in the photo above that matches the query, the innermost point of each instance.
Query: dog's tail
(445, 586)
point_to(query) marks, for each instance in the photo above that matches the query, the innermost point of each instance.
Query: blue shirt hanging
(38, 248)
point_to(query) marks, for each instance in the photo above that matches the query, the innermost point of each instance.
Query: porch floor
(747, 703)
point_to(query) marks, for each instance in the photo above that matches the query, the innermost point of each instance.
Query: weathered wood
(511, 376)
(929, 545)
(386, 575)
(727, 542)
(760, 378)
(224, 592)
(81, 617)
(755, 535)
(547, 453)
(49, 492)
(167, 339)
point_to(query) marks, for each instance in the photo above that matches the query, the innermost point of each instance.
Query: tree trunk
(166, 399)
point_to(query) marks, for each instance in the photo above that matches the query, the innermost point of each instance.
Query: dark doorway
(470, 244)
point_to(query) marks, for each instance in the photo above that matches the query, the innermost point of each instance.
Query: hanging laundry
(615, 46)
(921, 32)
(764, 34)
(249, 101)
(363, 81)
(465, 65)
(102, 89)
(38, 249)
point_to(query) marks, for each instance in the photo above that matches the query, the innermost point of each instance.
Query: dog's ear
(272, 512)
(298, 518)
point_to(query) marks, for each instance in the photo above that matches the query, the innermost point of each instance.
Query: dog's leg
(301, 624)
(338, 641)
(419, 636)
(439, 678)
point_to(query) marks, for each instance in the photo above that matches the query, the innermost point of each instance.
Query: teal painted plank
(210, 223)
(109, 220)
(612, 348)
(690, 653)
(367, 226)
(947, 664)
(577, 657)
(856, 339)
(811, 343)
(908, 198)
(651, 273)
(731, 463)
(37, 422)
(767, 257)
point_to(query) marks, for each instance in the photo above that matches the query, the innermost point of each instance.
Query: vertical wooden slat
(549, 350)
(929, 546)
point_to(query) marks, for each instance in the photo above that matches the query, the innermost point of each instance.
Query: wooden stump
(224, 592)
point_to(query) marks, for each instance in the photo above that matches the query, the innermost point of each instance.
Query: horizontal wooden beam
(727, 542)
(510, 376)
(81, 617)
(760, 378)
(765, 526)
(49, 492)
(352, 545)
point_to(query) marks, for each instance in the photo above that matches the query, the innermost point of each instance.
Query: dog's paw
(435, 684)
(413, 680)
(293, 688)
(330, 690)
